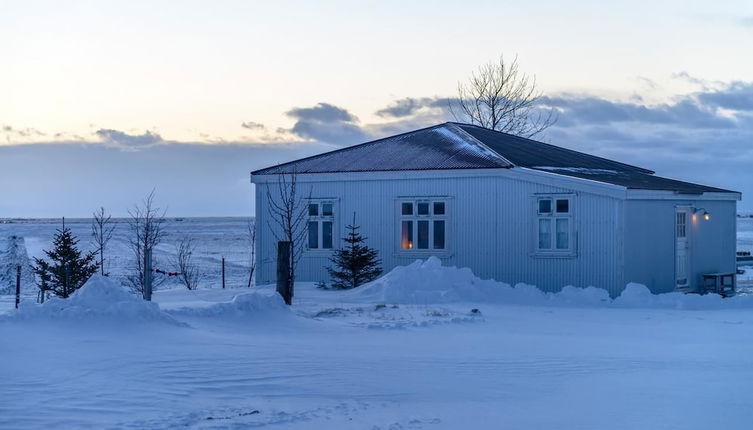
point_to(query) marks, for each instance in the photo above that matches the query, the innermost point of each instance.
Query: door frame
(688, 210)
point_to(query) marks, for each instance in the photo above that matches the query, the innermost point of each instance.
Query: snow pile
(247, 304)
(638, 296)
(428, 282)
(101, 298)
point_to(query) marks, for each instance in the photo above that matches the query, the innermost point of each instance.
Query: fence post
(283, 272)
(18, 285)
(148, 275)
(223, 273)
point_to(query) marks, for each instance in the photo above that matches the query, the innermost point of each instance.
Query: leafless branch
(102, 231)
(287, 216)
(188, 270)
(499, 97)
(252, 245)
(147, 231)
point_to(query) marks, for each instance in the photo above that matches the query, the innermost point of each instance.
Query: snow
(584, 170)
(460, 138)
(407, 351)
(532, 366)
(99, 298)
(428, 282)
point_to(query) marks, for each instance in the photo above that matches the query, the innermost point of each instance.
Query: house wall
(490, 227)
(650, 244)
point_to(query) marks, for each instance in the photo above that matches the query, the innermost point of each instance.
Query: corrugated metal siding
(490, 230)
(650, 245)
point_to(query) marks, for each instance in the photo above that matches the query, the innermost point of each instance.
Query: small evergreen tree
(355, 264)
(68, 269)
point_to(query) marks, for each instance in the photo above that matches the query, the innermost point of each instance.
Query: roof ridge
(643, 169)
(456, 128)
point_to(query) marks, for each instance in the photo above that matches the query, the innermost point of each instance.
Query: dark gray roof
(463, 146)
(442, 146)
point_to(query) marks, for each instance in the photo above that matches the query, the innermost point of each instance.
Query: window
(680, 225)
(423, 225)
(554, 225)
(320, 225)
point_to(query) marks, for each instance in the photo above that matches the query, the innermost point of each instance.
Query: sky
(103, 101)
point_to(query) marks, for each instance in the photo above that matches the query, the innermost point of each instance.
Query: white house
(511, 209)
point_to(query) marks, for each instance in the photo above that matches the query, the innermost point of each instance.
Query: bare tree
(102, 230)
(499, 97)
(287, 218)
(146, 224)
(252, 244)
(188, 270)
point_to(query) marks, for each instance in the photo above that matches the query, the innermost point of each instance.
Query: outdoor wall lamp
(704, 213)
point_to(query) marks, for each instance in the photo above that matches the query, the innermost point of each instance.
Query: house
(511, 209)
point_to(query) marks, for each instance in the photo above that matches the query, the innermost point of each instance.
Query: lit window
(321, 225)
(554, 225)
(406, 241)
(423, 225)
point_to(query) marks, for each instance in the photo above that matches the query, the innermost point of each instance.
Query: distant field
(214, 237)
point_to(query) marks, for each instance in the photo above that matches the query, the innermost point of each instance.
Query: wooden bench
(719, 283)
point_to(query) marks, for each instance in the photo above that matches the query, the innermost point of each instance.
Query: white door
(682, 263)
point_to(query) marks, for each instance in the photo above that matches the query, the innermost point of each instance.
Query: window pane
(545, 206)
(563, 233)
(545, 234)
(407, 208)
(423, 208)
(438, 208)
(563, 206)
(326, 209)
(313, 209)
(423, 233)
(313, 234)
(327, 234)
(438, 234)
(406, 235)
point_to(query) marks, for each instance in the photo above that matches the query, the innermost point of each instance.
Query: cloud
(735, 96)
(747, 21)
(410, 106)
(128, 141)
(191, 179)
(322, 112)
(326, 123)
(251, 125)
(12, 134)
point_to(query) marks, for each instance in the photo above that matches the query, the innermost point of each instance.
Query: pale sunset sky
(101, 101)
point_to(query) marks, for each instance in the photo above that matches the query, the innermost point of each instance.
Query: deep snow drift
(99, 298)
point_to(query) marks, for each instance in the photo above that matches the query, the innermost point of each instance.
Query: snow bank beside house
(99, 298)
(428, 282)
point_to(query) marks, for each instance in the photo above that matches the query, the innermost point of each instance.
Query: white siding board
(490, 229)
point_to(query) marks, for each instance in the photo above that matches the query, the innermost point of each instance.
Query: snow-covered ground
(390, 355)
(425, 347)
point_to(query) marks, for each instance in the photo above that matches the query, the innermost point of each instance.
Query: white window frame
(414, 218)
(320, 218)
(553, 216)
